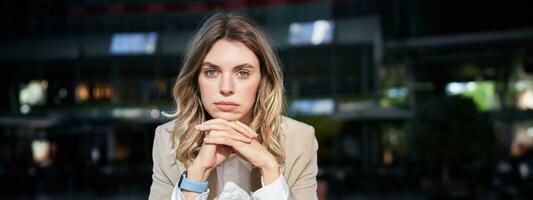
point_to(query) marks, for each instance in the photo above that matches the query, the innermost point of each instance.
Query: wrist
(269, 168)
(197, 173)
(189, 187)
(270, 172)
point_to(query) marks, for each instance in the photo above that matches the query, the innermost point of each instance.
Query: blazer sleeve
(306, 185)
(161, 185)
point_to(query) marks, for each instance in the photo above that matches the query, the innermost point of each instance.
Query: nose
(226, 86)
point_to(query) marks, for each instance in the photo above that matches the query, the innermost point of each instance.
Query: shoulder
(297, 137)
(167, 127)
(166, 167)
(300, 149)
(163, 142)
(292, 128)
(163, 133)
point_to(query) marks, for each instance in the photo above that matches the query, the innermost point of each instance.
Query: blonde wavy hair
(269, 102)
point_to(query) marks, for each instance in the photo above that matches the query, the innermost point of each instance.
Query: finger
(236, 136)
(241, 129)
(246, 127)
(224, 125)
(206, 126)
(221, 141)
(219, 124)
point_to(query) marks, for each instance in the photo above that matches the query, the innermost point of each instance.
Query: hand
(208, 158)
(232, 134)
(212, 155)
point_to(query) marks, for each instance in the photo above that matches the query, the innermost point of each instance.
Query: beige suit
(300, 168)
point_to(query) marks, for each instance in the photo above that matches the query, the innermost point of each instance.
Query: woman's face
(229, 78)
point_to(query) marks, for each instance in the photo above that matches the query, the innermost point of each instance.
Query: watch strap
(190, 185)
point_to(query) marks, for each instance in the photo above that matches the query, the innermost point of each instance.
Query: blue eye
(243, 74)
(210, 73)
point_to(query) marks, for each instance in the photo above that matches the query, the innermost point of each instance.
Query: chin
(227, 116)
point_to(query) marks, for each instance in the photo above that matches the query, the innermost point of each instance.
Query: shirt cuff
(275, 190)
(178, 195)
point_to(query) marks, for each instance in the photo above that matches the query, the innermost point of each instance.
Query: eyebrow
(241, 66)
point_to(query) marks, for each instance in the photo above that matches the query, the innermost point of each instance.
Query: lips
(226, 106)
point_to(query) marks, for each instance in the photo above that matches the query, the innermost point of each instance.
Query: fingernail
(198, 126)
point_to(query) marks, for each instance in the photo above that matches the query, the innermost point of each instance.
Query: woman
(229, 139)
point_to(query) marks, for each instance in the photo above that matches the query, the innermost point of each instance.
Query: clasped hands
(226, 137)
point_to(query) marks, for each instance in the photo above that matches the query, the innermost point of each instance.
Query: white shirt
(234, 175)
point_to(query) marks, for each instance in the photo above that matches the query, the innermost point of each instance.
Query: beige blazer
(300, 168)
